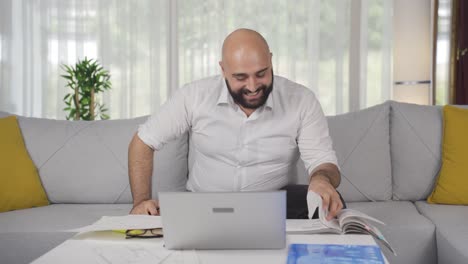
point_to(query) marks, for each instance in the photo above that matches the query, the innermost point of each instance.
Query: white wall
(412, 50)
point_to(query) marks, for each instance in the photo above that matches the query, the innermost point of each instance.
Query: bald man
(245, 127)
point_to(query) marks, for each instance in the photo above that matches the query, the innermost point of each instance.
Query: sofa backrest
(4, 114)
(415, 138)
(389, 151)
(361, 142)
(86, 161)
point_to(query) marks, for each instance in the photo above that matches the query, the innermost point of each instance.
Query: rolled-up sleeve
(314, 141)
(170, 122)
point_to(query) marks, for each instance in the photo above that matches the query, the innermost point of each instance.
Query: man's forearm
(140, 169)
(327, 171)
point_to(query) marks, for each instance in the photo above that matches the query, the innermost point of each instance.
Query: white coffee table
(110, 247)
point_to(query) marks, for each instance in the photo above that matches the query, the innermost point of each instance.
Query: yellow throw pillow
(452, 183)
(20, 185)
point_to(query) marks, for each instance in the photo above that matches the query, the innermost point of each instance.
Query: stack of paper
(122, 223)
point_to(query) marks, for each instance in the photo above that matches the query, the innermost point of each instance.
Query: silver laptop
(245, 220)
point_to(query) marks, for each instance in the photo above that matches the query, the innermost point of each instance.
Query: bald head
(244, 40)
(245, 51)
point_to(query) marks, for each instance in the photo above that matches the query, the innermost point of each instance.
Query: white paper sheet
(122, 222)
(86, 251)
(182, 257)
(105, 252)
(313, 202)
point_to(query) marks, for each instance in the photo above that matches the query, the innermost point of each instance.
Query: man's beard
(239, 95)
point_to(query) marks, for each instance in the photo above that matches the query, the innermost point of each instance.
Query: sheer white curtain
(341, 49)
(334, 47)
(127, 37)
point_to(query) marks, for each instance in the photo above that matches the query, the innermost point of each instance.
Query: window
(443, 52)
(341, 49)
(310, 41)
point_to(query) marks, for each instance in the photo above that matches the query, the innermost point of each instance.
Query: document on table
(329, 253)
(122, 223)
(105, 252)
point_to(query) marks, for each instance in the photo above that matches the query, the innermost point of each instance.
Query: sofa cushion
(410, 234)
(415, 139)
(22, 247)
(20, 185)
(361, 142)
(451, 230)
(58, 217)
(86, 161)
(452, 184)
(28, 234)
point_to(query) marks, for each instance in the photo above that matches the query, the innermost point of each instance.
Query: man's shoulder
(205, 84)
(288, 88)
(203, 91)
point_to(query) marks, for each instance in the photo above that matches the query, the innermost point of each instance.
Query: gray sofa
(389, 155)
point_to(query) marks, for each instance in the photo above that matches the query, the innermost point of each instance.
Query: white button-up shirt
(232, 152)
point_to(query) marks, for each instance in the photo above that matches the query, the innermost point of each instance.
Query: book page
(307, 226)
(347, 221)
(355, 222)
(349, 215)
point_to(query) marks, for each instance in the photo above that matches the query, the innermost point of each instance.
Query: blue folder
(334, 254)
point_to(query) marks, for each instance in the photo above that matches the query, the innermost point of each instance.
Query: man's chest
(264, 136)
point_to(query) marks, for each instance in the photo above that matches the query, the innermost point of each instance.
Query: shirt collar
(224, 96)
(269, 102)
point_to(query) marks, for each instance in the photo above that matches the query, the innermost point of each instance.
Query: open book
(348, 221)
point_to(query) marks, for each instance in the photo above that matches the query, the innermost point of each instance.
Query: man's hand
(148, 207)
(330, 197)
(321, 183)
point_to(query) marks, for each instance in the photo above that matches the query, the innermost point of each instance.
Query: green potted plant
(87, 78)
